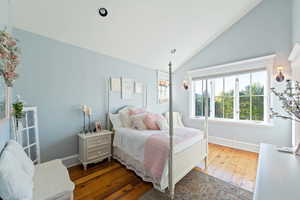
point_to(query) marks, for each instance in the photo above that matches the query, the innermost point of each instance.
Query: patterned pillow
(135, 111)
(150, 121)
(162, 124)
(138, 121)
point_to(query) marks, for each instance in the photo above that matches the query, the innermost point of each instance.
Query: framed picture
(98, 127)
(127, 88)
(115, 84)
(162, 87)
(139, 87)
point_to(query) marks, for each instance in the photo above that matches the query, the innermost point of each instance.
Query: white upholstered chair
(20, 179)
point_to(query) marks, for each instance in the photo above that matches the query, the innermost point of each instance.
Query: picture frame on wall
(162, 87)
(139, 87)
(115, 84)
(127, 88)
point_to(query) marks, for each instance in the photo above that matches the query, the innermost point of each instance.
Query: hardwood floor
(112, 181)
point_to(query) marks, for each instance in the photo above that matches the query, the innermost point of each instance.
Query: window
(237, 97)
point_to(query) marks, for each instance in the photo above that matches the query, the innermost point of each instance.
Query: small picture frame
(98, 127)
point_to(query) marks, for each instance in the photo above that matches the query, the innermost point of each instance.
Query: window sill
(236, 122)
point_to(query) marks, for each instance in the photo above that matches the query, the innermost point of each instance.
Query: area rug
(199, 186)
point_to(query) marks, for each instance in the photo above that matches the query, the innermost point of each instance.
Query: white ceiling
(138, 31)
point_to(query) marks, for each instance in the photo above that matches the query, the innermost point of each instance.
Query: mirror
(3, 100)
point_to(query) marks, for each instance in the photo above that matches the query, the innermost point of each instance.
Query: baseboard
(234, 144)
(71, 161)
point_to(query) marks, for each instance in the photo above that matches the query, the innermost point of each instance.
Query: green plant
(18, 110)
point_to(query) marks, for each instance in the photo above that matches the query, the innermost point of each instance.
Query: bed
(162, 157)
(135, 149)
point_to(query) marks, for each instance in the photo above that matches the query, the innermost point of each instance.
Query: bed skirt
(132, 164)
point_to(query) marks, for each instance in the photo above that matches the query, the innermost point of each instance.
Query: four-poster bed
(162, 157)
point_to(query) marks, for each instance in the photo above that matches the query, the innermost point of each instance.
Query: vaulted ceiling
(138, 31)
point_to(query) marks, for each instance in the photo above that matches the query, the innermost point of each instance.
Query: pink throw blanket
(156, 151)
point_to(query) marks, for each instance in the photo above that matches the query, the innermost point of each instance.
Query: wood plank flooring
(111, 181)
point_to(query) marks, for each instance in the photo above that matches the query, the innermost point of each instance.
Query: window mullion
(212, 99)
(236, 100)
(250, 92)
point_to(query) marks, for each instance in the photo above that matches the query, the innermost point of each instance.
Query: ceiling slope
(138, 31)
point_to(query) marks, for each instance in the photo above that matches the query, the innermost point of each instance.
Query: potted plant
(18, 111)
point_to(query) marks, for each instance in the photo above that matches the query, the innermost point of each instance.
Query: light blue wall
(4, 22)
(57, 78)
(265, 30)
(296, 21)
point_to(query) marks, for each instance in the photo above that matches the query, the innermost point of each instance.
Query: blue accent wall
(58, 77)
(265, 30)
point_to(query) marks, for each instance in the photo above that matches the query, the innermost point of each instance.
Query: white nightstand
(94, 147)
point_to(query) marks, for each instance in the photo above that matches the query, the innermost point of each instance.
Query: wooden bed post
(171, 132)
(206, 122)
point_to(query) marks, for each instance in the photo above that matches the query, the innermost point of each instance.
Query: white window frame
(265, 63)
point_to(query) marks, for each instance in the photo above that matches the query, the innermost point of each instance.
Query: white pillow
(162, 124)
(115, 120)
(125, 118)
(138, 121)
(15, 184)
(24, 161)
(177, 119)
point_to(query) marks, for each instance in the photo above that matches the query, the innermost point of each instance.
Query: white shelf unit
(27, 133)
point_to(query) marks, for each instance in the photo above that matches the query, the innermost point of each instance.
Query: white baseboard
(234, 144)
(71, 161)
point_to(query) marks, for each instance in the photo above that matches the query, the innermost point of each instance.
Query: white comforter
(132, 141)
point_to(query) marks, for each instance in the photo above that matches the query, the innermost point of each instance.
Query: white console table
(278, 175)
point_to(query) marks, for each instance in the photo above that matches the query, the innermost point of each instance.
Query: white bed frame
(180, 164)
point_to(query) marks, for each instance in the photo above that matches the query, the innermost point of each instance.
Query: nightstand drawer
(99, 140)
(98, 151)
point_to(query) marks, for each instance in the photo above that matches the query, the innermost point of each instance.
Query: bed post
(108, 103)
(206, 122)
(171, 132)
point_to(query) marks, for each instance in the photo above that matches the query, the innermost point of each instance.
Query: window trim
(265, 63)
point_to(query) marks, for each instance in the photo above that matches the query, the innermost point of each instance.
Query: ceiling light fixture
(103, 12)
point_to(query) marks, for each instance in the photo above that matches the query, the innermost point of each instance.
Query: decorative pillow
(162, 124)
(177, 119)
(24, 161)
(14, 182)
(138, 121)
(124, 116)
(115, 120)
(150, 121)
(135, 111)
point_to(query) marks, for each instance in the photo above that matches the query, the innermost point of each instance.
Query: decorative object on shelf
(98, 127)
(84, 112)
(163, 87)
(138, 87)
(9, 57)
(103, 12)
(127, 88)
(289, 98)
(18, 110)
(280, 76)
(115, 84)
(89, 113)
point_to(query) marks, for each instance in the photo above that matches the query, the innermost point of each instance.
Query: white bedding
(132, 142)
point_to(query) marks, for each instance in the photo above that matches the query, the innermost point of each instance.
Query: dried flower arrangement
(289, 97)
(9, 57)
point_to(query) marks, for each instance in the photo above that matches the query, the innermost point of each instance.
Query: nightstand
(94, 147)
